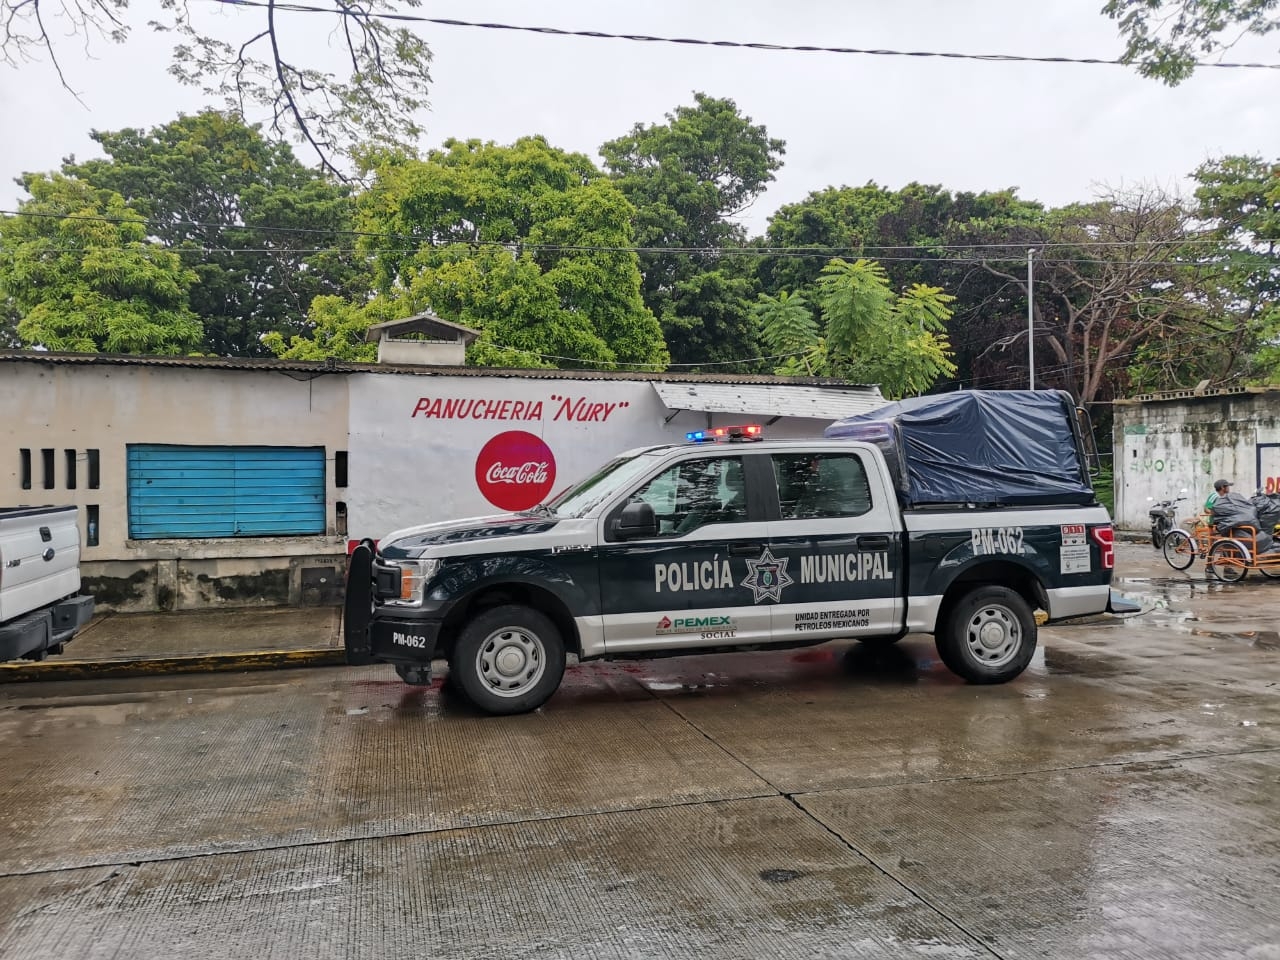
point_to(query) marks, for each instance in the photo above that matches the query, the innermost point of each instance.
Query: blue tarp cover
(1007, 447)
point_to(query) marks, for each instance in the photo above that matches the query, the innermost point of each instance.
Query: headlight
(414, 576)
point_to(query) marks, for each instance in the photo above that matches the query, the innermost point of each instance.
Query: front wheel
(1228, 560)
(1179, 549)
(989, 635)
(508, 660)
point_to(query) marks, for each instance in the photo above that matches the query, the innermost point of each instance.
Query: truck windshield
(613, 476)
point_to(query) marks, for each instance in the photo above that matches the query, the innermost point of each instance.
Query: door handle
(745, 549)
(872, 543)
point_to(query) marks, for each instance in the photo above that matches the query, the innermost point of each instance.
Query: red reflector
(1105, 537)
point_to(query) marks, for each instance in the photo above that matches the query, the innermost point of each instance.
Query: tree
(77, 266)
(871, 335)
(1111, 278)
(789, 331)
(337, 329)
(264, 233)
(1166, 38)
(9, 317)
(688, 178)
(903, 227)
(266, 69)
(1238, 204)
(529, 244)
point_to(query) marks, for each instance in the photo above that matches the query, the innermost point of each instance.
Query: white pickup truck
(41, 607)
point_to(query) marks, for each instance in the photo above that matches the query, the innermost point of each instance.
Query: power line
(413, 244)
(367, 254)
(365, 15)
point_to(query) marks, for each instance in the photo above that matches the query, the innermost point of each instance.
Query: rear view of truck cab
(40, 604)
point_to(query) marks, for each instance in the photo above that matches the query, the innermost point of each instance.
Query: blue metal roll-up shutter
(181, 491)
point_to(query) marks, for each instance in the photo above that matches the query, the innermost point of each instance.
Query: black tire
(989, 635)
(1157, 537)
(414, 674)
(880, 641)
(508, 660)
(1228, 561)
(1179, 549)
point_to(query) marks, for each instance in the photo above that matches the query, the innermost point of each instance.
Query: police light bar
(749, 431)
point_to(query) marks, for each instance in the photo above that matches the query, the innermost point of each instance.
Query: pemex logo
(515, 470)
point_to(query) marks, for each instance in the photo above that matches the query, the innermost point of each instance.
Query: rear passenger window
(812, 485)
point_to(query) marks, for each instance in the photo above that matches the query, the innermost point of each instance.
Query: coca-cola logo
(515, 470)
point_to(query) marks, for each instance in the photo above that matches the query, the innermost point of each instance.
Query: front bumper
(372, 633)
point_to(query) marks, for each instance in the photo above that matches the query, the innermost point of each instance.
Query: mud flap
(357, 607)
(1118, 604)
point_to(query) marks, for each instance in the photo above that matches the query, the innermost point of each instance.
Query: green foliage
(856, 221)
(1125, 278)
(1104, 487)
(9, 317)
(1238, 201)
(1165, 38)
(871, 336)
(786, 323)
(78, 268)
(687, 178)
(337, 330)
(250, 215)
(525, 243)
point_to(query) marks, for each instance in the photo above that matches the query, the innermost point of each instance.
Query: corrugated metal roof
(784, 399)
(318, 367)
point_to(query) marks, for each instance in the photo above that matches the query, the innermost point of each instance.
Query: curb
(26, 672)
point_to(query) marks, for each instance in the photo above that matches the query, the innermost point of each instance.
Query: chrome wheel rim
(993, 635)
(511, 661)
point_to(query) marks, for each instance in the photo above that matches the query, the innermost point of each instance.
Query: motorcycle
(1162, 514)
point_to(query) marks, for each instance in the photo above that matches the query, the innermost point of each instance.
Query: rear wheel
(1269, 565)
(1179, 549)
(1228, 560)
(508, 660)
(989, 635)
(891, 640)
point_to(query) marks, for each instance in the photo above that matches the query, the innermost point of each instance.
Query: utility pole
(1031, 332)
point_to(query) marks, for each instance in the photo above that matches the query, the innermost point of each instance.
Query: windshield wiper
(542, 510)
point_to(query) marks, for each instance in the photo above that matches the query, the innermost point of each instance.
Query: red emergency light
(749, 431)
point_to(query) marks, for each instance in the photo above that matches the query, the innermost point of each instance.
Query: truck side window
(814, 485)
(695, 493)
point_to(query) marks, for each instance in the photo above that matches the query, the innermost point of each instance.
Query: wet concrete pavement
(1121, 799)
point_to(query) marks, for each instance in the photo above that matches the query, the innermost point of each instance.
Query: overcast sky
(1055, 132)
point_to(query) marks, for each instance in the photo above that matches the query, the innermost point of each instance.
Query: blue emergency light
(750, 431)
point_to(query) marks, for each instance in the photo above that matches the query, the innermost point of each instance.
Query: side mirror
(636, 522)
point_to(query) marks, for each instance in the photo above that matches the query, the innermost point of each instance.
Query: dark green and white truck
(957, 516)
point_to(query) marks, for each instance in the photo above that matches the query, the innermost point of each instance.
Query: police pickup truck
(959, 524)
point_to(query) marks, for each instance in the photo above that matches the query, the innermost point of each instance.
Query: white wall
(1162, 446)
(81, 407)
(413, 455)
